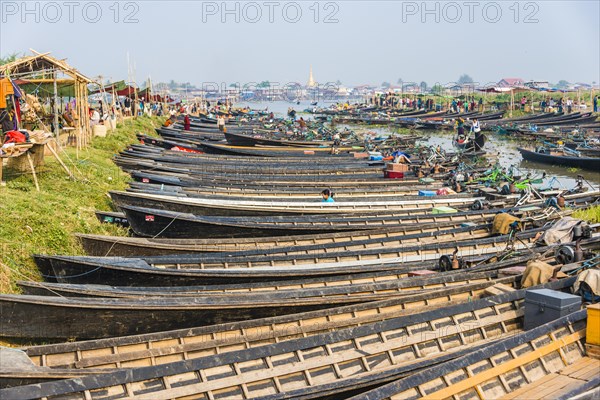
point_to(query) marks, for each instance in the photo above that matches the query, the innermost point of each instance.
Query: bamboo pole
(56, 130)
(35, 180)
(55, 154)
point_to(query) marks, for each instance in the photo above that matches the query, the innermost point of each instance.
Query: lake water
(503, 148)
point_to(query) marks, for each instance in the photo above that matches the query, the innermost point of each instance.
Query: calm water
(505, 150)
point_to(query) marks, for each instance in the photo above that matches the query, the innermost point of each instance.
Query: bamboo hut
(54, 79)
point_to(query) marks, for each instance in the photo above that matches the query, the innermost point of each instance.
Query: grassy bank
(44, 222)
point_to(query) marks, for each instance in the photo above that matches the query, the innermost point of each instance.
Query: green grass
(591, 215)
(44, 222)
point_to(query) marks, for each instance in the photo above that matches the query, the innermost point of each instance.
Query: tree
(399, 82)
(264, 84)
(562, 84)
(464, 78)
(423, 86)
(9, 58)
(338, 82)
(385, 85)
(437, 89)
(172, 84)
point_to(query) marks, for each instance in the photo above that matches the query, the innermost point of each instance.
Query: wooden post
(512, 101)
(37, 186)
(56, 130)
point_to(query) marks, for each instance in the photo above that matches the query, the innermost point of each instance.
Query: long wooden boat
(280, 151)
(148, 222)
(239, 139)
(208, 206)
(170, 133)
(168, 346)
(145, 150)
(77, 359)
(181, 178)
(99, 245)
(499, 369)
(137, 272)
(34, 316)
(305, 256)
(314, 197)
(368, 286)
(180, 157)
(328, 364)
(589, 163)
(278, 192)
(284, 169)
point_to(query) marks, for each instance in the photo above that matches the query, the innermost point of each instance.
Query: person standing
(7, 123)
(596, 103)
(186, 122)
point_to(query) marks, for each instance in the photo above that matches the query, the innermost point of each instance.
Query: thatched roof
(40, 64)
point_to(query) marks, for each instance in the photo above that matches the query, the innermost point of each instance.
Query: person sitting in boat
(336, 139)
(460, 130)
(437, 168)
(327, 196)
(302, 124)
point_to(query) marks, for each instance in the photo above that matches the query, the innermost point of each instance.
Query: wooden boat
(279, 151)
(240, 168)
(168, 346)
(98, 245)
(181, 178)
(208, 206)
(110, 217)
(313, 256)
(314, 197)
(207, 160)
(531, 358)
(219, 207)
(238, 139)
(334, 363)
(135, 150)
(278, 192)
(589, 163)
(63, 317)
(149, 222)
(183, 272)
(364, 287)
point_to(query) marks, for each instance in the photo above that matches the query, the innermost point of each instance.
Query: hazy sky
(354, 41)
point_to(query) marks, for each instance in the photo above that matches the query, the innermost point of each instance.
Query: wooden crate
(397, 167)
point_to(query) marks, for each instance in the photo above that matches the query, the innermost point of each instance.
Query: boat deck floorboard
(559, 383)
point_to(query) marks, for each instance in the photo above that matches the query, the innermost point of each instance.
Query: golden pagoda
(311, 80)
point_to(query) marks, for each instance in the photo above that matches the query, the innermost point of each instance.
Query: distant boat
(546, 156)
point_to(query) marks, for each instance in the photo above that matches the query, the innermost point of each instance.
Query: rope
(28, 278)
